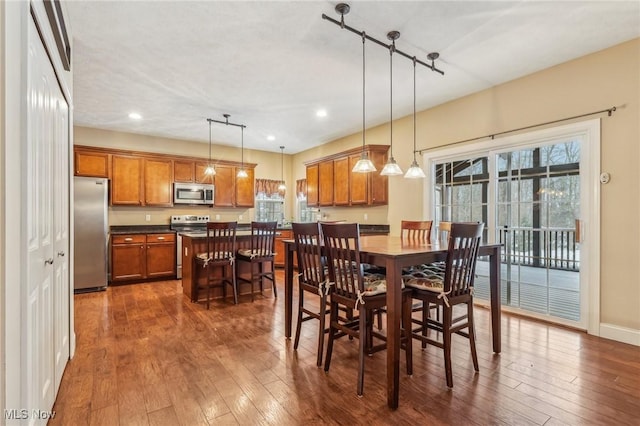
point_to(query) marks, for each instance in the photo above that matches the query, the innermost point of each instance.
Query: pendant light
(210, 170)
(364, 165)
(391, 168)
(282, 186)
(242, 173)
(414, 172)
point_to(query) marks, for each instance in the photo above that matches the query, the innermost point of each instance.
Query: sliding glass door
(530, 195)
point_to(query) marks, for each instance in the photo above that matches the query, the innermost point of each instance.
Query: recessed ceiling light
(321, 113)
(271, 138)
(135, 116)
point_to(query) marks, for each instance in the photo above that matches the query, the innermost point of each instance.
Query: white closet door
(61, 283)
(46, 227)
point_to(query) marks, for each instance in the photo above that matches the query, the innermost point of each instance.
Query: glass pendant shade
(415, 172)
(391, 168)
(242, 173)
(282, 187)
(364, 165)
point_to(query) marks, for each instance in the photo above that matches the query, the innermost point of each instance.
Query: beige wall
(268, 167)
(594, 82)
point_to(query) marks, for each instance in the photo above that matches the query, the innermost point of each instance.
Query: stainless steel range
(186, 223)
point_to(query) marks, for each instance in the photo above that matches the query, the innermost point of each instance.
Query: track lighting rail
(226, 121)
(343, 9)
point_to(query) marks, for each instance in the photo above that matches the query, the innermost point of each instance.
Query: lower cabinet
(143, 256)
(278, 260)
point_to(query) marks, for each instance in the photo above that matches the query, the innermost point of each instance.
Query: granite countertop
(243, 229)
(139, 229)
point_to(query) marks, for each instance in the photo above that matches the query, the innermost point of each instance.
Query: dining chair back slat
(343, 251)
(416, 230)
(462, 255)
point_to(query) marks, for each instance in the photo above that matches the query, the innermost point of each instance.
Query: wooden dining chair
(419, 230)
(260, 255)
(312, 279)
(453, 288)
(444, 228)
(415, 231)
(352, 290)
(218, 260)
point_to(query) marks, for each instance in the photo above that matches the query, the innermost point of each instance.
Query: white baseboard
(620, 334)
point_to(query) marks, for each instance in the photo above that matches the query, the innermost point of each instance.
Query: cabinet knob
(49, 261)
(61, 254)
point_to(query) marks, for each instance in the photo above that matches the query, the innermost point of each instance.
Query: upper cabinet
(225, 183)
(330, 181)
(245, 189)
(158, 182)
(184, 171)
(312, 185)
(126, 180)
(325, 183)
(146, 179)
(91, 163)
(341, 172)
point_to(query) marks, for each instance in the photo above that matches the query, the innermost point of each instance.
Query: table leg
(494, 283)
(288, 289)
(394, 314)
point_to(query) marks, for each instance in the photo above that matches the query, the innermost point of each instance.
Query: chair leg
(333, 319)
(472, 335)
(363, 343)
(425, 321)
(235, 284)
(406, 320)
(446, 337)
(323, 315)
(299, 323)
(273, 276)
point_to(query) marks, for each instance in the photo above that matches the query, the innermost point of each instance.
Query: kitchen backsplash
(119, 216)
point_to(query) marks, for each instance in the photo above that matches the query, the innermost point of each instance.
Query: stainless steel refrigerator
(91, 233)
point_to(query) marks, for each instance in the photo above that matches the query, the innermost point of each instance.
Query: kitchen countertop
(243, 229)
(140, 229)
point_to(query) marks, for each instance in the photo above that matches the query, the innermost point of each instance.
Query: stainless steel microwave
(193, 193)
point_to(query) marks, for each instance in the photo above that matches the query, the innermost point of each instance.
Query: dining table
(395, 253)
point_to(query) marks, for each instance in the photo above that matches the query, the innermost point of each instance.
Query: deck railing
(554, 248)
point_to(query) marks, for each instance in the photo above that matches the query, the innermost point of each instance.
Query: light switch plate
(217, 217)
(147, 218)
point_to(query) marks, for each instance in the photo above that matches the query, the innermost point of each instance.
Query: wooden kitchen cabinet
(325, 183)
(285, 234)
(128, 257)
(126, 180)
(312, 185)
(357, 183)
(378, 184)
(330, 181)
(137, 257)
(245, 189)
(91, 163)
(161, 255)
(184, 171)
(158, 182)
(225, 180)
(341, 172)
(201, 176)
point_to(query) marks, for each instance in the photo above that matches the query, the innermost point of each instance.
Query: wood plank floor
(147, 356)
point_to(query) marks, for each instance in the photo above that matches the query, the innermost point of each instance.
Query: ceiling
(272, 64)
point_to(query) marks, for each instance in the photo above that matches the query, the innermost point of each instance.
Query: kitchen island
(192, 274)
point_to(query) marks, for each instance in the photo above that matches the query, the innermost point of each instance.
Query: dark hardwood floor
(147, 356)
